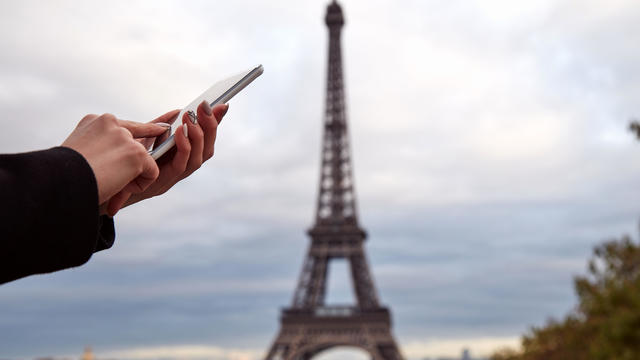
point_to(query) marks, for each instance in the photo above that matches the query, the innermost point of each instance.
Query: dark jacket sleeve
(49, 216)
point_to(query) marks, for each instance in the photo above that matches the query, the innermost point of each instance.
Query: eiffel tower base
(305, 333)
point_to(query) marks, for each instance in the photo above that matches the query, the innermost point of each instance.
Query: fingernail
(164, 125)
(226, 107)
(185, 130)
(206, 107)
(192, 117)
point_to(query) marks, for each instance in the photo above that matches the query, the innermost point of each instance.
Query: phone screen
(220, 93)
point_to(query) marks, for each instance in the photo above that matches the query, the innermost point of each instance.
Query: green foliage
(606, 322)
(634, 127)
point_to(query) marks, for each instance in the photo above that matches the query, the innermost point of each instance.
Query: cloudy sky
(490, 147)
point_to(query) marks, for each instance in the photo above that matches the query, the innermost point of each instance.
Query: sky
(490, 149)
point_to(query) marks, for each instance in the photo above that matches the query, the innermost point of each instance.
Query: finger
(139, 130)
(116, 202)
(162, 138)
(147, 142)
(209, 125)
(183, 150)
(219, 111)
(146, 177)
(150, 172)
(168, 118)
(174, 164)
(196, 138)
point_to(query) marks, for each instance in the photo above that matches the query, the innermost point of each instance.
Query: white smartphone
(220, 93)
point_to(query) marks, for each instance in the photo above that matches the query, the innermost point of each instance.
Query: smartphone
(220, 93)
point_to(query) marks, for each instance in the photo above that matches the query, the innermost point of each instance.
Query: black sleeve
(49, 216)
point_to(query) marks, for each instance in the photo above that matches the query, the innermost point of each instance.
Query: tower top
(336, 198)
(334, 16)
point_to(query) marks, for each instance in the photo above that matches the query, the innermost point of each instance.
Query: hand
(193, 147)
(119, 162)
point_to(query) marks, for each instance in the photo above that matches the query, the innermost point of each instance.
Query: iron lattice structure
(309, 326)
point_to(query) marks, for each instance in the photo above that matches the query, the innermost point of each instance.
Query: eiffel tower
(309, 326)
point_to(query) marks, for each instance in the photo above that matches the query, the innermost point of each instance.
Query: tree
(634, 127)
(606, 322)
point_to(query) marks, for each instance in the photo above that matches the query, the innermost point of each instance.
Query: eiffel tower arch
(310, 326)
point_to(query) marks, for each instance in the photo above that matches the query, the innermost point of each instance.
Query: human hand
(194, 145)
(119, 162)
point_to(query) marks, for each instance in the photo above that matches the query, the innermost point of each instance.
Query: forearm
(49, 213)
